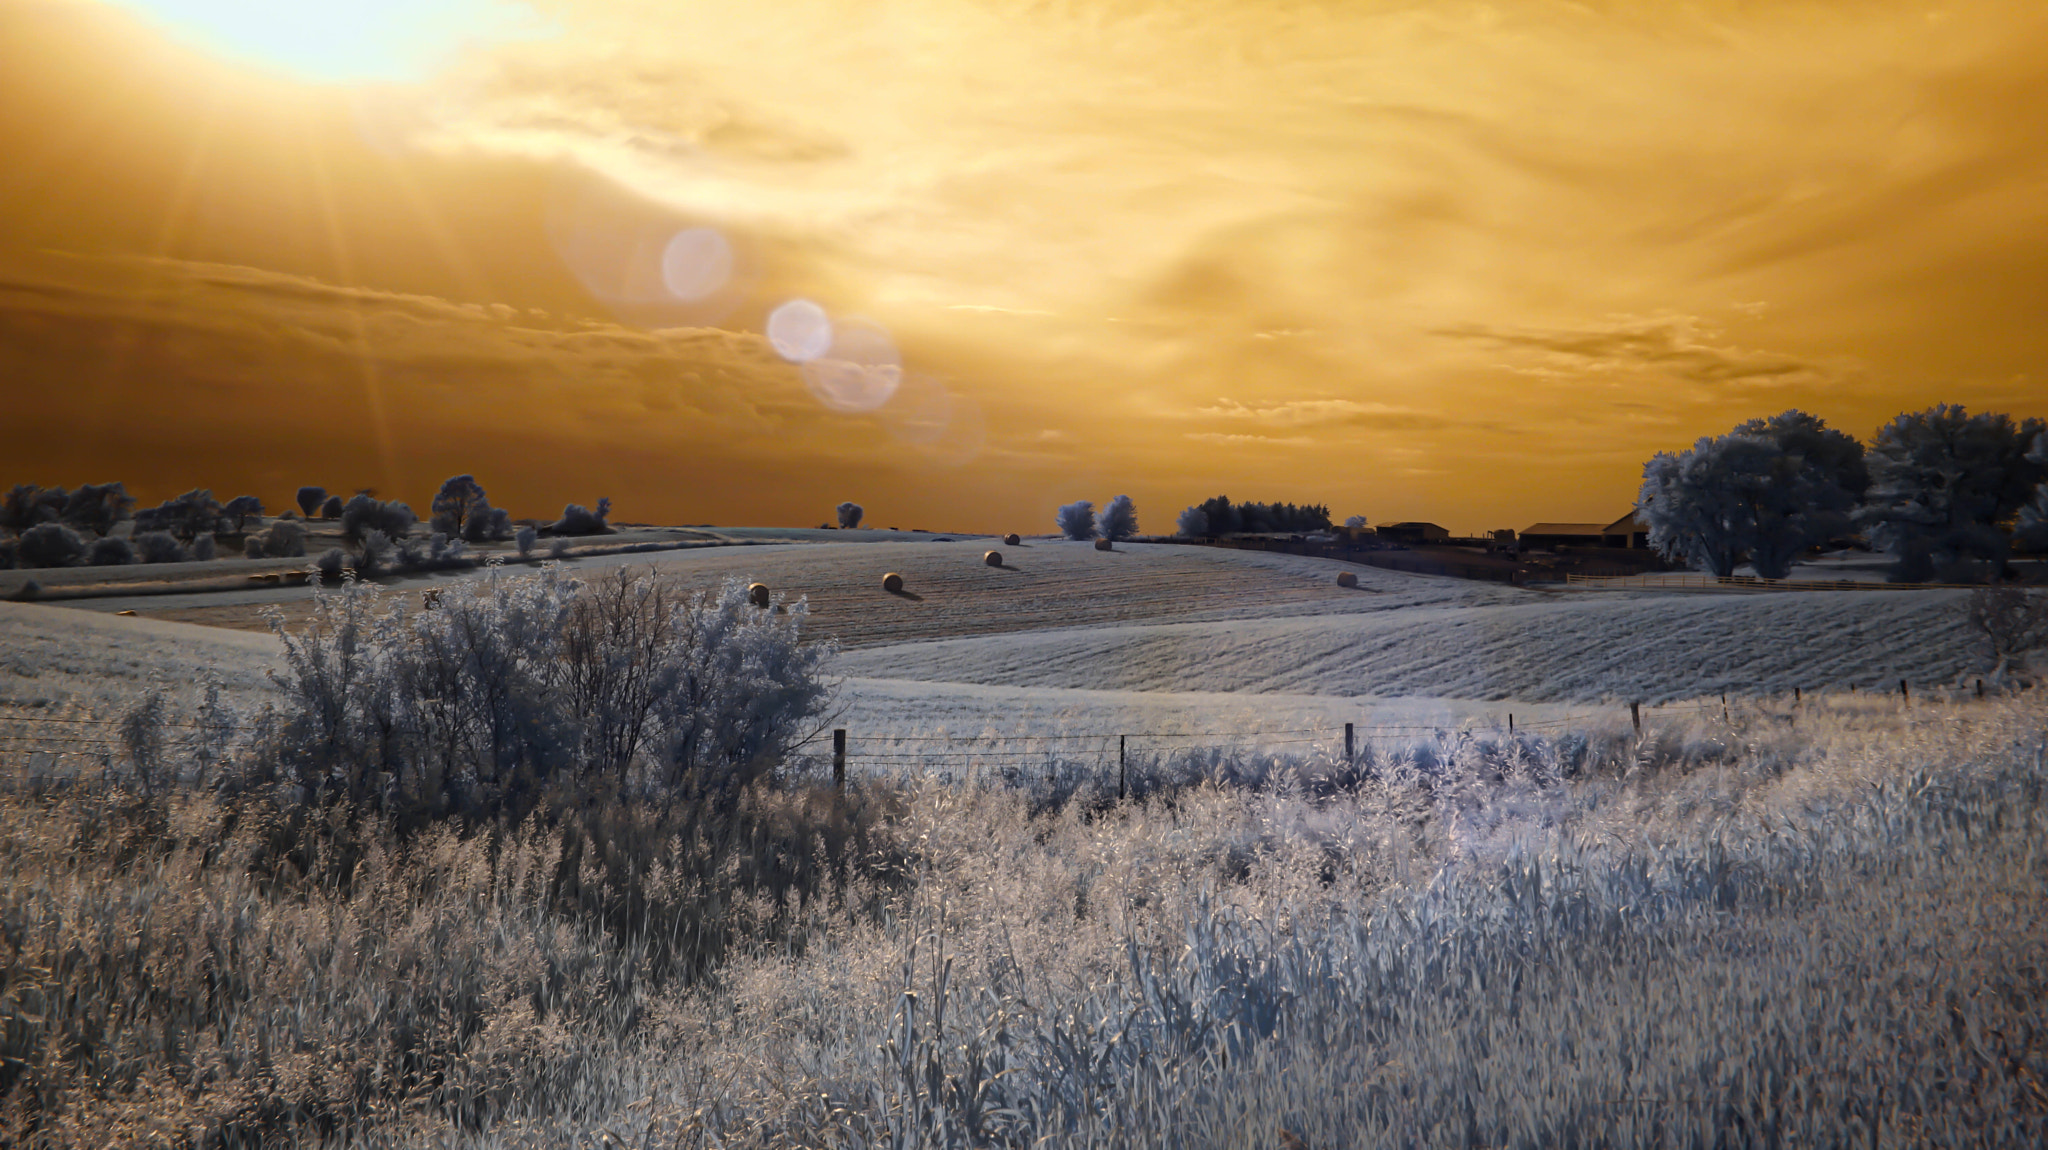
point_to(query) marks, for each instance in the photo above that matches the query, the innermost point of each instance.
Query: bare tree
(2012, 621)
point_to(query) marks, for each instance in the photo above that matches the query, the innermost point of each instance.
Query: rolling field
(1145, 638)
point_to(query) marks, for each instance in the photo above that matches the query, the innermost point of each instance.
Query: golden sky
(1470, 263)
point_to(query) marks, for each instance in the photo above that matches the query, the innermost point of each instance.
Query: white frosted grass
(1828, 937)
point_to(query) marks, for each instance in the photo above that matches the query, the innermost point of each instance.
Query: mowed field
(949, 591)
(1147, 637)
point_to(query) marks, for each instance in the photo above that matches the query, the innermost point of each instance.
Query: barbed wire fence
(53, 750)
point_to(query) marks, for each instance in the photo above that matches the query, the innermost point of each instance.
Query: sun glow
(344, 40)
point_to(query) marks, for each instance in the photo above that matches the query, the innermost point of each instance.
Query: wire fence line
(29, 740)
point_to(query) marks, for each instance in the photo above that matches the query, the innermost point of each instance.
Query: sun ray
(440, 235)
(180, 199)
(366, 362)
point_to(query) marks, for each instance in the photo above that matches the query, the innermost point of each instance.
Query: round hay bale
(1013, 540)
(993, 559)
(757, 594)
(892, 582)
(1103, 545)
(1347, 578)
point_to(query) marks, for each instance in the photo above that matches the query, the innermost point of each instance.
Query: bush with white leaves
(483, 703)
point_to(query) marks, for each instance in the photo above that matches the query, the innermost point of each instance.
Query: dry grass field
(1778, 923)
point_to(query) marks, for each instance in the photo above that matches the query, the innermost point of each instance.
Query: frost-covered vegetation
(1801, 925)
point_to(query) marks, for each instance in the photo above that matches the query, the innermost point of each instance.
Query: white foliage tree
(1118, 519)
(849, 514)
(1077, 519)
(2031, 528)
(1766, 491)
(1193, 522)
(1941, 480)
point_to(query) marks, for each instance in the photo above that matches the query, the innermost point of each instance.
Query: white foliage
(1118, 519)
(1077, 520)
(479, 701)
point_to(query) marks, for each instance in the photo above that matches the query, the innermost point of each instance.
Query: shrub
(559, 548)
(1354, 521)
(204, 549)
(111, 552)
(524, 540)
(485, 523)
(849, 514)
(332, 508)
(365, 514)
(241, 509)
(188, 516)
(252, 547)
(460, 497)
(1118, 520)
(49, 545)
(284, 539)
(8, 547)
(481, 706)
(159, 547)
(1077, 520)
(310, 498)
(580, 520)
(27, 505)
(441, 554)
(97, 507)
(332, 563)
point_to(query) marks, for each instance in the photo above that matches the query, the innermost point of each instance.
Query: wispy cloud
(1684, 348)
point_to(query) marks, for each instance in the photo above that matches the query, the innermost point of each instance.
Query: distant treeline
(1219, 516)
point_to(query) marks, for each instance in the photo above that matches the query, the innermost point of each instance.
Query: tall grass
(1719, 934)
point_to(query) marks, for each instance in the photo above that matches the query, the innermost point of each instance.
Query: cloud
(1325, 413)
(1683, 348)
(1231, 440)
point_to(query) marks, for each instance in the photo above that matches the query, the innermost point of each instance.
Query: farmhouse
(1627, 531)
(1414, 532)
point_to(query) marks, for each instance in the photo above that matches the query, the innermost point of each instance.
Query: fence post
(1635, 714)
(1511, 724)
(1351, 754)
(1980, 688)
(1903, 696)
(1120, 767)
(1795, 696)
(839, 757)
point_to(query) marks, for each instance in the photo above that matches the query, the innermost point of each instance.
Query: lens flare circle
(858, 371)
(800, 331)
(696, 263)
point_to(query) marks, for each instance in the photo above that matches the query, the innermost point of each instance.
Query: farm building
(1627, 531)
(1414, 532)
